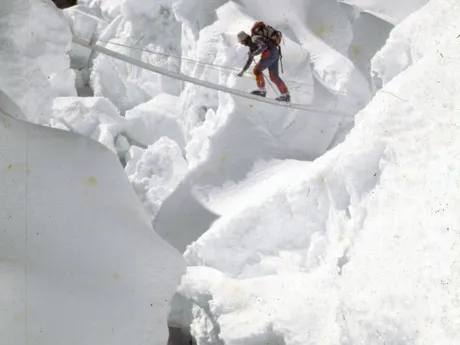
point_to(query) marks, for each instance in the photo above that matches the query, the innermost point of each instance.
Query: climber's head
(243, 38)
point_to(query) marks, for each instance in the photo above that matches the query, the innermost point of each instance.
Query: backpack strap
(281, 58)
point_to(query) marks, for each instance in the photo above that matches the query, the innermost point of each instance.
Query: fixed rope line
(179, 57)
(212, 65)
(183, 77)
(162, 54)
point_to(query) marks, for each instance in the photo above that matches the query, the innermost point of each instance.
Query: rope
(337, 93)
(186, 78)
(212, 65)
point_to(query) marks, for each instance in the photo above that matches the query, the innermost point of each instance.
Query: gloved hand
(240, 74)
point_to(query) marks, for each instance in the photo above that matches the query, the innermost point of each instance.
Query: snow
(140, 24)
(369, 35)
(36, 58)
(86, 22)
(416, 36)
(389, 10)
(155, 172)
(99, 119)
(80, 261)
(226, 161)
(95, 117)
(295, 227)
(358, 246)
(150, 121)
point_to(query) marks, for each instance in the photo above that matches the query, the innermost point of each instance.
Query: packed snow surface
(296, 227)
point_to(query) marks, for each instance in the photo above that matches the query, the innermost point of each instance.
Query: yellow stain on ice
(6, 123)
(355, 51)
(115, 276)
(15, 167)
(223, 158)
(18, 317)
(91, 181)
(320, 30)
(205, 174)
(251, 105)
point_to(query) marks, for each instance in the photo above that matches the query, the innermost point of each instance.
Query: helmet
(242, 36)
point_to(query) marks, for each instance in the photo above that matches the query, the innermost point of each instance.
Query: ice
(414, 37)
(155, 172)
(79, 259)
(150, 121)
(35, 57)
(85, 22)
(142, 25)
(369, 35)
(389, 10)
(296, 227)
(280, 135)
(94, 117)
(358, 246)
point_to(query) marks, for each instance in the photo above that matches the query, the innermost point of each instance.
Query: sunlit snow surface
(294, 230)
(360, 246)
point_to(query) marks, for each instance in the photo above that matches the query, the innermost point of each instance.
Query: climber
(269, 59)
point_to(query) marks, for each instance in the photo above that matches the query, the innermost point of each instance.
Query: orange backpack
(261, 29)
(267, 31)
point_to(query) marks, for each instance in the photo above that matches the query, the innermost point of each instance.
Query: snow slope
(359, 246)
(80, 262)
